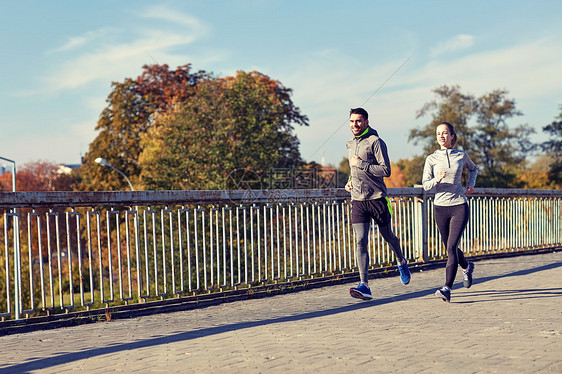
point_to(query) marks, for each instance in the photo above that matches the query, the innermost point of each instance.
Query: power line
(365, 102)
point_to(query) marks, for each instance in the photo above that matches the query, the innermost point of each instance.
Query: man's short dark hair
(360, 111)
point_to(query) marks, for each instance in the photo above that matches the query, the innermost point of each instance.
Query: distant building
(67, 168)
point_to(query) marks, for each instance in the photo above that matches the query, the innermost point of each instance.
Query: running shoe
(362, 292)
(444, 293)
(467, 275)
(404, 273)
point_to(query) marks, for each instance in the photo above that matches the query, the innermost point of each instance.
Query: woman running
(443, 170)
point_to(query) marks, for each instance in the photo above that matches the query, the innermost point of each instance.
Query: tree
(162, 88)
(132, 106)
(38, 176)
(452, 106)
(535, 180)
(396, 179)
(483, 132)
(500, 151)
(553, 147)
(241, 122)
(412, 170)
(343, 172)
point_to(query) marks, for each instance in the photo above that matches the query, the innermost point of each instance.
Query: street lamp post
(103, 162)
(17, 254)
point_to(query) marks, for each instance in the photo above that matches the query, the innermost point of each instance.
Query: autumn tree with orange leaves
(131, 108)
(245, 122)
(38, 176)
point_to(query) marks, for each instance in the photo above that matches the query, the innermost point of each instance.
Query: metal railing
(65, 251)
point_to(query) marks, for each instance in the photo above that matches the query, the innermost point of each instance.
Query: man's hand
(348, 186)
(354, 161)
(442, 175)
(469, 190)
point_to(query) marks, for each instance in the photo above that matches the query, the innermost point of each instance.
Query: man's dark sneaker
(467, 275)
(444, 293)
(404, 273)
(362, 292)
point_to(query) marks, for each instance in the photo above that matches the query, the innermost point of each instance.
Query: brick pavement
(510, 321)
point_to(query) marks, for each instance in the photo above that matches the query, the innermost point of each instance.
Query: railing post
(17, 266)
(424, 223)
(17, 254)
(420, 220)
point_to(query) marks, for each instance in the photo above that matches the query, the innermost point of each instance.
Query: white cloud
(168, 15)
(456, 43)
(115, 61)
(72, 43)
(107, 61)
(526, 70)
(78, 41)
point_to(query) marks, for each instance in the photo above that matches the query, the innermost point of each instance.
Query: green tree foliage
(130, 111)
(483, 131)
(553, 148)
(241, 122)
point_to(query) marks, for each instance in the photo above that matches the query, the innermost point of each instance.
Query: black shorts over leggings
(363, 211)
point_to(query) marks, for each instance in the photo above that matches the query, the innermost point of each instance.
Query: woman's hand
(469, 190)
(348, 186)
(442, 175)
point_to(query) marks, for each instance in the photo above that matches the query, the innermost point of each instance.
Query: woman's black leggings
(451, 221)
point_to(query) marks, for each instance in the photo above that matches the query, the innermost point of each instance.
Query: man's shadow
(64, 358)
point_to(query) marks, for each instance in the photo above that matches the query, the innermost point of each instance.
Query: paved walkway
(510, 321)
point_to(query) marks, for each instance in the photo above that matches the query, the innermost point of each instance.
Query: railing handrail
(93, 198)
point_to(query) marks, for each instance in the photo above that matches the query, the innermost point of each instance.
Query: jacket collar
(368, 131)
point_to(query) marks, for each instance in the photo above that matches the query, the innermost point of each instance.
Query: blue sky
(60, 57)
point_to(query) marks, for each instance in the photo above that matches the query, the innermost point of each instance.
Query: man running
(369, 164)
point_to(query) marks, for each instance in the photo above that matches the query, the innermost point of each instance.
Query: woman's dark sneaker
(467, 275)
(444, 293)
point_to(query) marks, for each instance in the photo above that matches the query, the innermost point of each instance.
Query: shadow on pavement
(507, 295)
(64, 358)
